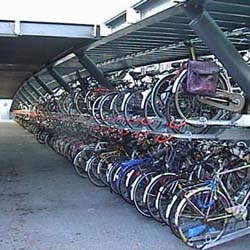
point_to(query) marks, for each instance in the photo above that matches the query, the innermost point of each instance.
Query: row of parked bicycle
(121, 138)
(183, 99)
(199, 188)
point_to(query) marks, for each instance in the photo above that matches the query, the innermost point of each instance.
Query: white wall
(5, 105)
(155, 7)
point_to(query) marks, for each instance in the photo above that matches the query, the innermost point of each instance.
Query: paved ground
(44, 205)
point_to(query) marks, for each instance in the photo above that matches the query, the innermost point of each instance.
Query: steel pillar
(36, 91)
(43, 85)
(83, 81)
(55, 74)
(91, 67)
(206, 28)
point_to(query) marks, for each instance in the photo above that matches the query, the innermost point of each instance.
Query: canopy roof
(25, 47)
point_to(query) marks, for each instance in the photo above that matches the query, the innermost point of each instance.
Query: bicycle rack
(230, 236)
(238, 133)
(160, 38)
(242, 121)
(122, 49)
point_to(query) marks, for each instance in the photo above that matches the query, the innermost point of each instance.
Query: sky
(71, 11)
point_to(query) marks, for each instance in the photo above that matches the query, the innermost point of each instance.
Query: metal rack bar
(229, 237)
(219, 133)
(238, 121)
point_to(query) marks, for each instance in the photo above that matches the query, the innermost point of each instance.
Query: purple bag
(202, 78)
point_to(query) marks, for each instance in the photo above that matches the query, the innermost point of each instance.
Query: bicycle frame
(229, 197)
(217, 183)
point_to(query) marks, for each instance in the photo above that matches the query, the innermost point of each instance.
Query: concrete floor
(44, 205)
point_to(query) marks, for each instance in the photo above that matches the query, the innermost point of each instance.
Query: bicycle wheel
(80, 103)
(133, 111)
(138, 192)
(153, 121)
(151, 191)
(105, 109)
(166, 194)
(96, 109)
(92, 172)
(103, 167)
(80, 161)
(90, 98)
(126, 182)
(201, 217)
(113, 175)
(160, 94)
(188, 106)
(117, 108)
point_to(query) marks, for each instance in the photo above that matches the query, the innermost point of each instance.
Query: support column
(43, 85)
(91, 67)
(83, 82)
(207, 29)
(55, 74)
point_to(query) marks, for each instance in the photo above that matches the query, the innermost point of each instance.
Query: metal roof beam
(54, 73)
(26, 98)
(57, 30)
(83, 81)
(28, 93)
(35, 90)
(219, 44)
(91, 67)
(43, 85)
(132, 28)
(21, 99)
